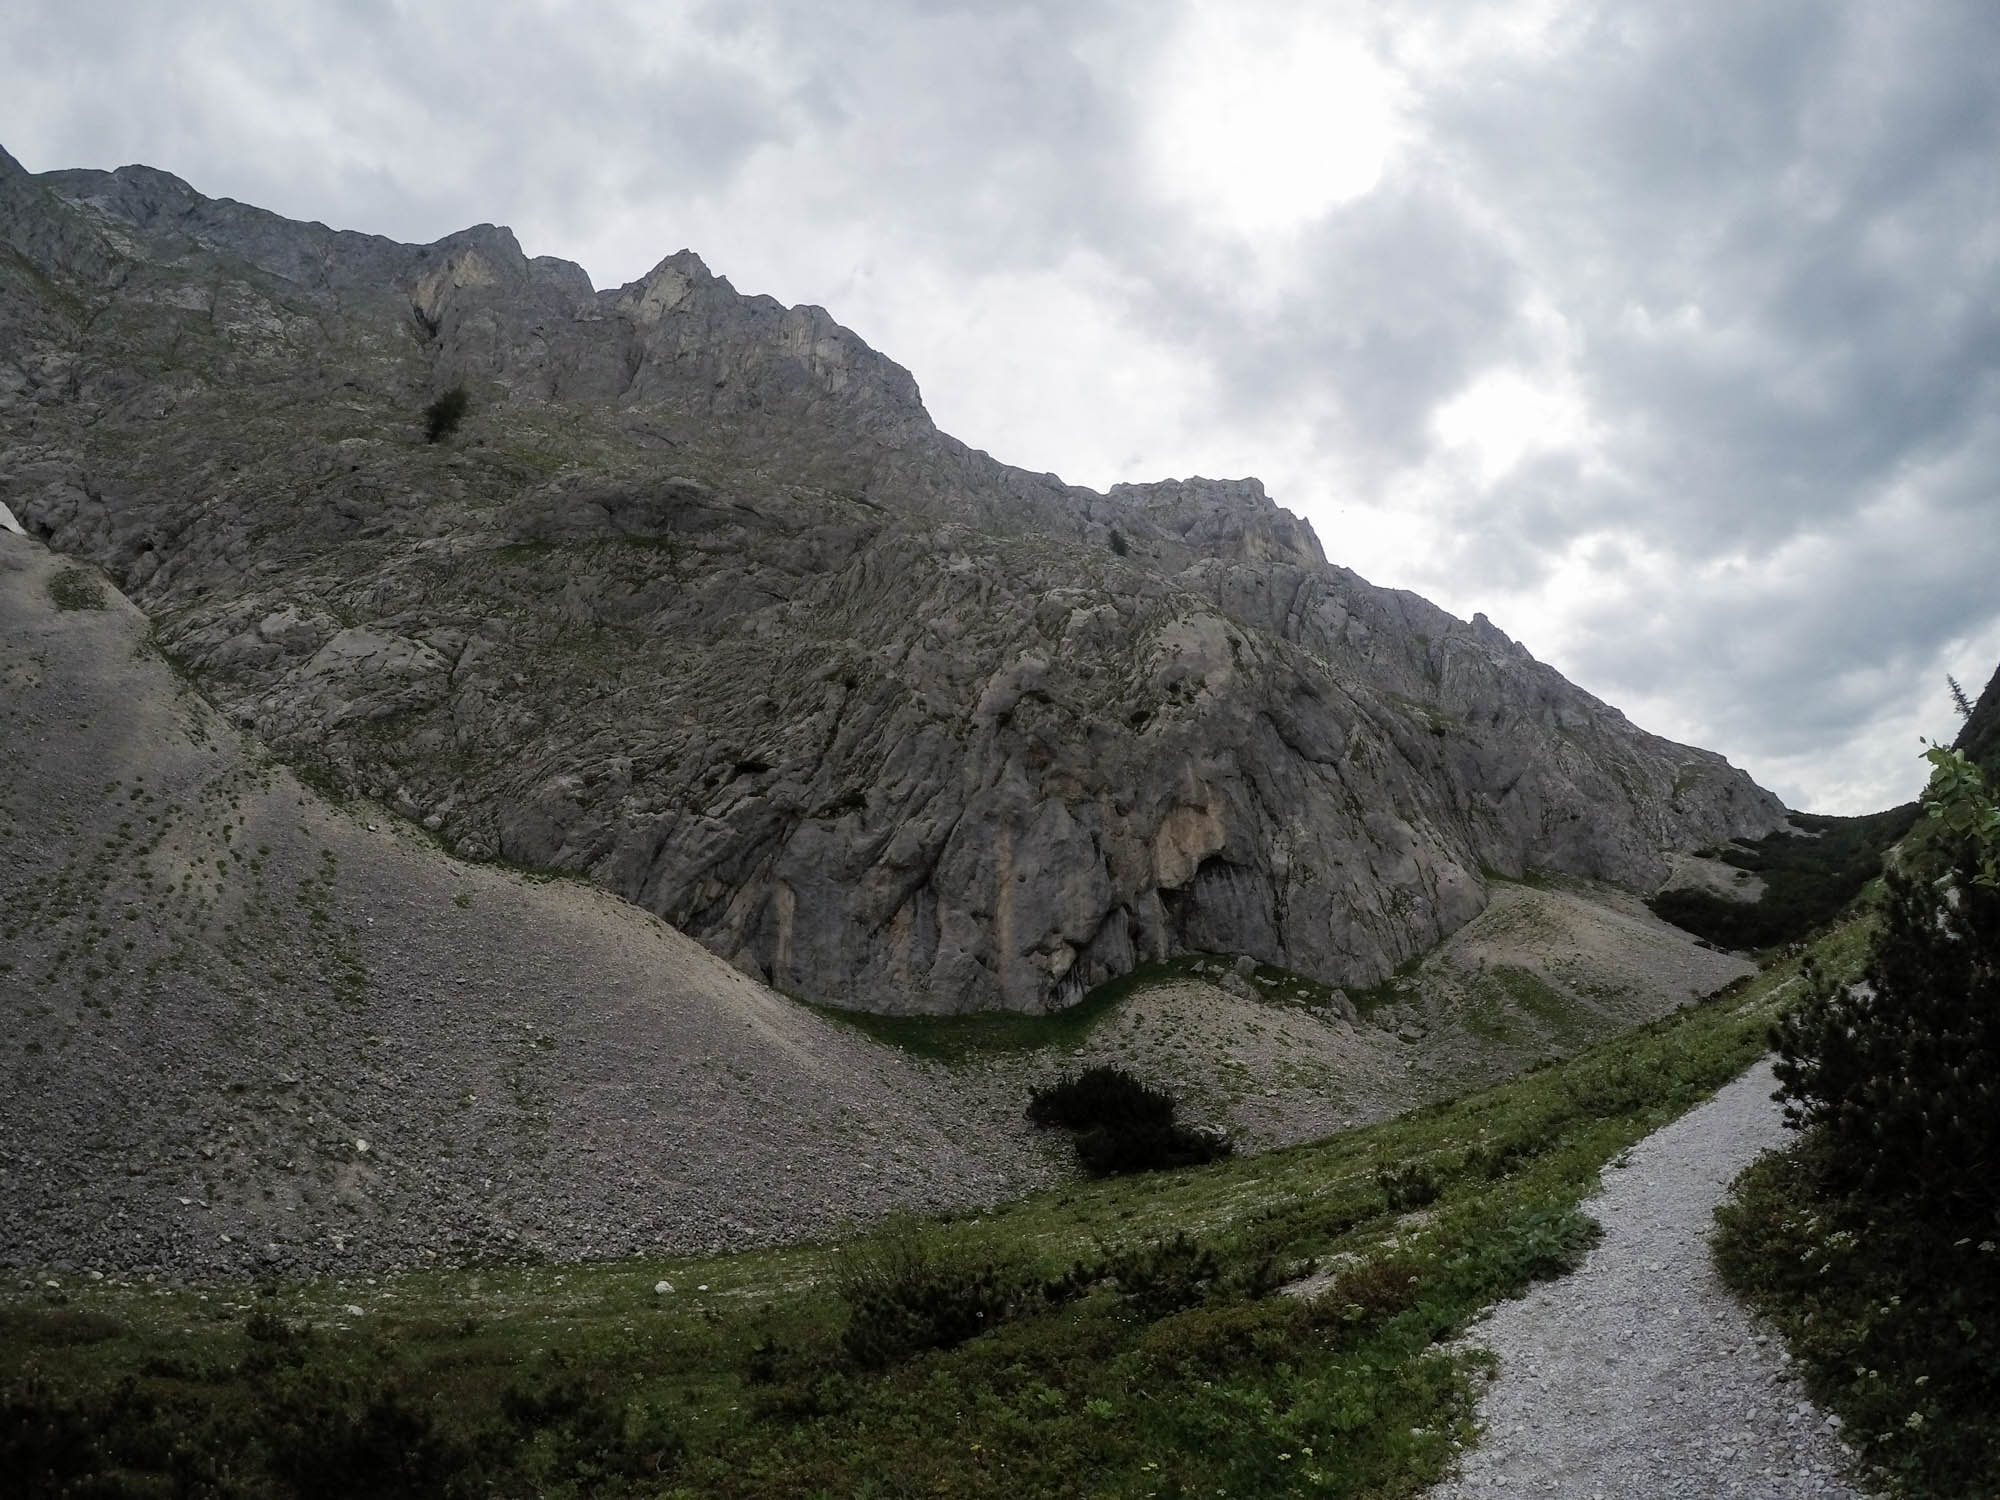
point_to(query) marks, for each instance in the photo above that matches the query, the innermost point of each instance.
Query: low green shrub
(1368, 1294)
(310, 1431)
(572, 1435)
(1221, 1341)
(58, 1327)
(1406, 1187)
(113, 1442)
(1895, 1326)
(1505, 1155)
(1610, 1084)
(265, 1327)
(1165, 1276)
(794, 1381)
(328, 1440)
(908, 1292)
(1533, 1244)
(275, 1343)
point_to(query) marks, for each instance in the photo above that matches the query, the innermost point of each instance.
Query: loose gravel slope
(247, 1031)
(1640, 1376)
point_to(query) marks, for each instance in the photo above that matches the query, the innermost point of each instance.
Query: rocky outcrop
(700, 604)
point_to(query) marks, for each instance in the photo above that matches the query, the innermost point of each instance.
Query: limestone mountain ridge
(699, 603)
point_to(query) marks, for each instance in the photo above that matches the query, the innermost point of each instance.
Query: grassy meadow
(1123, 1337)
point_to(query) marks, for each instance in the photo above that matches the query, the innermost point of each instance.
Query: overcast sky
(1667, 335)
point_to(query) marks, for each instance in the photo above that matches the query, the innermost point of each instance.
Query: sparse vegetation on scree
(1116, 1337)
(1875, 1242)
(73, 588)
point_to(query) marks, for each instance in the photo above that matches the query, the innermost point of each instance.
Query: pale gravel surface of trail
(1640, 1376)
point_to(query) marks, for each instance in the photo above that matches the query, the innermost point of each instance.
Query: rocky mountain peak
(144, 197)
(1230, 518)
(699, 604)
(484, 255)
(665, 287)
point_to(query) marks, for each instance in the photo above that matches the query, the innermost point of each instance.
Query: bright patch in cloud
(1263, 122)
(1504, 416)
(1037, 365)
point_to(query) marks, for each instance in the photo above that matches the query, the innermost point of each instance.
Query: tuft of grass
(73, 588)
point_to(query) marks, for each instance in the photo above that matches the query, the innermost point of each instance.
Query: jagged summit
(701, 604)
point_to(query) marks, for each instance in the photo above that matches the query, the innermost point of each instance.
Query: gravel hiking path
(1640, 1376)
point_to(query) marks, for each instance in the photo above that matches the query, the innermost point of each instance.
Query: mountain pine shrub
(442, 416)
(1122, 1125)
(1811, 869)
(1165, 1276)
(1902, 1070)
(1100, 1097)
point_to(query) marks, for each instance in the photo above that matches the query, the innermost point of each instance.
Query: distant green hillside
(1810, 870)
(1813, 868)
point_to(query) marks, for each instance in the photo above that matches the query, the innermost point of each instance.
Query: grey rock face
(700, 603)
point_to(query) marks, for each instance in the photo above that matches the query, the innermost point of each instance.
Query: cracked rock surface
(251, 1031)
(700, 605)
(1640, 1376)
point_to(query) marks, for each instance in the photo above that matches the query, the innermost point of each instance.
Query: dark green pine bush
(1811, 869)
(1101, 1097)
(1122, 1125)
(1166, 1276)
(442, 416)
(1902, 1071)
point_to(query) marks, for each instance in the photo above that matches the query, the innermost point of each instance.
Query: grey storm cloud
(1755, 246)
(1775, 230)
(407, 120)
(1405, 300)
(978, 133)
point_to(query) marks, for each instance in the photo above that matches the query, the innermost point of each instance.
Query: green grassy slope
(1157, 1370)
